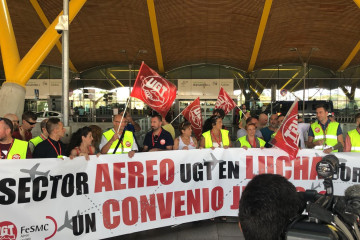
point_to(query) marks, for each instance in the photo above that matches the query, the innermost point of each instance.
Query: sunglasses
(156, 137)
(31, 123)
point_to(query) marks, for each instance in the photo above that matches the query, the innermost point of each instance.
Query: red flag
(193, 114)
(287, 136)
(154, 90)
(224, 101)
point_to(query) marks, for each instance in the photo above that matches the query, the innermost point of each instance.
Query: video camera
(327, 216)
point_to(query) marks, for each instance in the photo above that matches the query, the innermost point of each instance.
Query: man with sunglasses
(157, 139)
(28, 123)
(11, 148)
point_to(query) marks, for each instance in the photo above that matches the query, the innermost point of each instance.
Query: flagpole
(127, 102)
(242, 112)
(177, 116)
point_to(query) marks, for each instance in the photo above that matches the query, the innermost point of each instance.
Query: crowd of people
(17, 142)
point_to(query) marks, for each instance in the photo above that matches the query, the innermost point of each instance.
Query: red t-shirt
(28, 136)
(4, 148)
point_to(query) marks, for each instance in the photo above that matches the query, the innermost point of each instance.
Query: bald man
(14, 119)
(263, 121)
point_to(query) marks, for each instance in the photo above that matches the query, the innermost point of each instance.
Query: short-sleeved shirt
(4, 149)
(45, 149)
(170, 129)
(28, 135)
(324, 126)
(266, 133)
(165, 139)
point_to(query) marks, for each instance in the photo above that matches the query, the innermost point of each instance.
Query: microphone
(352, 198)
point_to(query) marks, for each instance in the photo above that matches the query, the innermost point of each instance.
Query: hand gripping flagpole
(127, 102)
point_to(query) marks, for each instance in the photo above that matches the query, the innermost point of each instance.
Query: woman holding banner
(250, 140)
(216, 137)
(185, 141)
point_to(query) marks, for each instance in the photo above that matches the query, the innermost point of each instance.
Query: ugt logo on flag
(154, 90)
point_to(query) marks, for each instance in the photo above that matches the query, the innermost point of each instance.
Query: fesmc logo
(290, 131)
(155, 90)
(8, 230)
(195, 115)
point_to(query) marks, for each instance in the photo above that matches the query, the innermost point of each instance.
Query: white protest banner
(113, 195)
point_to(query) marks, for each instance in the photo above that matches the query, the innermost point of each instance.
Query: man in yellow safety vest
(352, 140)
(43, 136)
(11, 148)
(324, 134)
(117, 140)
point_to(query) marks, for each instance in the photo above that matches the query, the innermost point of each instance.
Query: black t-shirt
(47, 150)
(165, 139)
(4, 148)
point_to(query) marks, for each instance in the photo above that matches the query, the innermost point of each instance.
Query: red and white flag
(287, 136)
(224, 101)
(192, 113)
(154, 90)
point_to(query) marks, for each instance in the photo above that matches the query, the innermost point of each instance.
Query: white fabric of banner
(113, 195)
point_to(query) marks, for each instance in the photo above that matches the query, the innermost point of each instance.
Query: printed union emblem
(162, 141)
(128, 144)
(8, 230)
(290, 132)
(195, 116)
(16, 156)
(155, 90)
(317, 130)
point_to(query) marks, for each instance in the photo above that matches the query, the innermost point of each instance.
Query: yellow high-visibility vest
(126, 144)
(224, 138)
(244, 142)
(330, 134)
(18, 150)
(355, 140)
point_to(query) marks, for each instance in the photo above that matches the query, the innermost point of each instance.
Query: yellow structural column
(9, 49)
(20, 71)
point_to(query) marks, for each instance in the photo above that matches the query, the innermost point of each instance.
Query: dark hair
(220, 112)
(213, 120)
(248, 120)
(157, 116)
(96, 133)
(325, 107)
(9, 123)
(184, 125)
(267, 205)
(28, 115)
(168, 117)
(51, 124)
(76, 139)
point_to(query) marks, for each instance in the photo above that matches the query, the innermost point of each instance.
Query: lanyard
(59, 155)
(8, 149)
(218, 140)
(152, 137)
(324, 132)
(42, 137)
